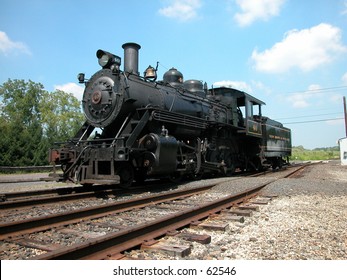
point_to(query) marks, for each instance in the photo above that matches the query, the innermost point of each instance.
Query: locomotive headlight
(103, 60)
(106, 59)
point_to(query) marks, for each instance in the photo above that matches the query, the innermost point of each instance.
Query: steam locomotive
(144, 128)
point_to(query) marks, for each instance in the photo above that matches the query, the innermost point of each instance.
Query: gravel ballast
(306, 220)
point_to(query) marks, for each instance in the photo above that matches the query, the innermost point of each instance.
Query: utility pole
(345, 111)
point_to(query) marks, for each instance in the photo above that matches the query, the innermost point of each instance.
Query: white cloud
(239, 85)
(73, 88)
(252, 10)
(304, 99)
(314, 96)
(7, 46)
(183, 10)
(260, 87)
(305, 49)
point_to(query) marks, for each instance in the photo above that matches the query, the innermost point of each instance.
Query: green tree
(32, 119)
(61, 116)
(21, 116)
(4, 141)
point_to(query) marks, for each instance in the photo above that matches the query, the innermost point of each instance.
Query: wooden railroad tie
(252, 207)
(210, 225)
(37, 244)
(230, 217)
(87, 235)
(171, 249)
(238, 212)
(261, 201)
(200, 238)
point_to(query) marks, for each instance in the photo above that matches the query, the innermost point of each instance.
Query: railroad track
(18, 200)
(21, 227)
(40, 197)
(124, 235)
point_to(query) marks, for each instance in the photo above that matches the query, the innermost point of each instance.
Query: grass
(300, 153)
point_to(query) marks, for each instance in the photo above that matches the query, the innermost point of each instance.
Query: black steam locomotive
(144, 128)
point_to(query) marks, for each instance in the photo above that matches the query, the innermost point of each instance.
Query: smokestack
(131, 58)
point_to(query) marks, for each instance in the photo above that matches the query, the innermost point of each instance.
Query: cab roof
(240, 95)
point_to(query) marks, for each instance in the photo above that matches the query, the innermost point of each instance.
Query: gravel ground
(307, 220)
(31, 181)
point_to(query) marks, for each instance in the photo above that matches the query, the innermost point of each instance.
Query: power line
(318, 90)
(314, 121)
(308, 116)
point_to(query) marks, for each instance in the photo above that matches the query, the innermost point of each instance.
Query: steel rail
(114, 243)
(52, 199)
(46, 222)
(56, 191)
(294, 173)
(16, 200)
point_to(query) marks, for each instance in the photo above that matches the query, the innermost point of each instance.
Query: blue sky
(292, 54)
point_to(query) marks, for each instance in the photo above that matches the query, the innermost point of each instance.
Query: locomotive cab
(253, 116)
(266, 138)
(245, 109)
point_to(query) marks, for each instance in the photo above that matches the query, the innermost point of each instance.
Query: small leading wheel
(126, 173)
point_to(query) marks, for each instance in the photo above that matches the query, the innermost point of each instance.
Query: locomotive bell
(150, 73)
